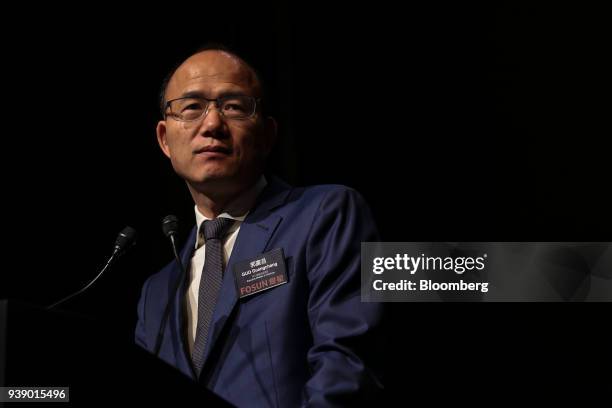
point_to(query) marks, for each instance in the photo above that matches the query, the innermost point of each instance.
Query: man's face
(216, 154)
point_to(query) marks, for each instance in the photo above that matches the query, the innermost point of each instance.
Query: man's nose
(212, 123)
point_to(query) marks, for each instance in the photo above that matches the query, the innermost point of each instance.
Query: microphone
(125, 240)
(170, 228)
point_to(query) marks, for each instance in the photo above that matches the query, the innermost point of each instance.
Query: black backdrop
(454, 122)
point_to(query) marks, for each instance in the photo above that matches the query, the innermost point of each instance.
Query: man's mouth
(212, 150)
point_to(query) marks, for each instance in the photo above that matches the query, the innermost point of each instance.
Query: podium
(42, 348)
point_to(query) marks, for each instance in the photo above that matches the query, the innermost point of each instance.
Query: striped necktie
(210, 284)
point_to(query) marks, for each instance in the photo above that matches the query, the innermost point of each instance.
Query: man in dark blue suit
(270, 312)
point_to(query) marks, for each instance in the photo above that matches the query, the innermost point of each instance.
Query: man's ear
(270, 133)
(161, 137)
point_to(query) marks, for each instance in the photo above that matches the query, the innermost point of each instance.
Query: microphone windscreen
(170, 225)
(125, 239)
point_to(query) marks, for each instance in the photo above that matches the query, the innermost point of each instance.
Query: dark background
(454, 122)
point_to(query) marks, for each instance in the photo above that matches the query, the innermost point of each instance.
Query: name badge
(263, 272)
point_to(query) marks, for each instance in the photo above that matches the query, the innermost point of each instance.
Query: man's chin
(212, 180)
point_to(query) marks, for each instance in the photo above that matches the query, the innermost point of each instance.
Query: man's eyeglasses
(189, 109)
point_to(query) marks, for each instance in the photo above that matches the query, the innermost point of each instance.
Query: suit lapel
(253, 237)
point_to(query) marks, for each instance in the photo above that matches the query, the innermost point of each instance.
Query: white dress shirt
(237, 210)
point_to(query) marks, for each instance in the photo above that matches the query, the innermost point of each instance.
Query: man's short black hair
(210, 46)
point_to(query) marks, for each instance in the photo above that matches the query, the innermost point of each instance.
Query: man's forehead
(212, 68)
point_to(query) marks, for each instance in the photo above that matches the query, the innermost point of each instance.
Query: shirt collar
(237, 210)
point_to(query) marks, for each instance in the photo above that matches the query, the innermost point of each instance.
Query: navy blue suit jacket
(310, 342)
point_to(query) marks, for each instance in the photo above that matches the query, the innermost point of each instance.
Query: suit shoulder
(161, 277)
(329, 190)
(328, 194)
